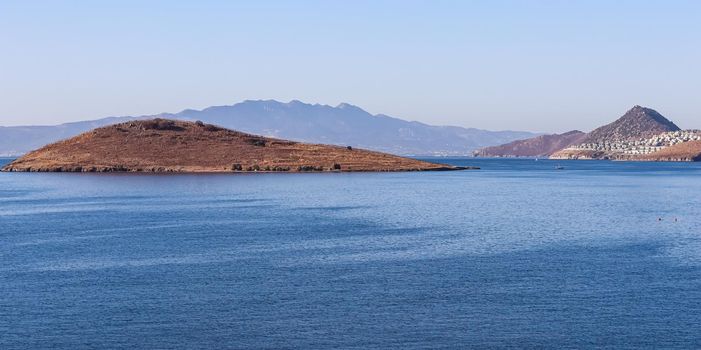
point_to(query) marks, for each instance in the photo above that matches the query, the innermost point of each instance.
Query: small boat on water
(559, 167)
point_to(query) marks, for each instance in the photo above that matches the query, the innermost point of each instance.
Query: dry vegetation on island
(162, 145)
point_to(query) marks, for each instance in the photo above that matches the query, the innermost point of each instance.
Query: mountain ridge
(345, 124)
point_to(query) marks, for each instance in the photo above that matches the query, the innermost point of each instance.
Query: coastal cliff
(162, 145)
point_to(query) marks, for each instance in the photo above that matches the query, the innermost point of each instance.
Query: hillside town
(642, 146)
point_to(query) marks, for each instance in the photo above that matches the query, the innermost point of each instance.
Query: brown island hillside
(681, 152)
(162, 145)
(539, 146)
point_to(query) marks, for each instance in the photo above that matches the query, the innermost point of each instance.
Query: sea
(522, 253)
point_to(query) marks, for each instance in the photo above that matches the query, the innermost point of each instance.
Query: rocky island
(162, 145)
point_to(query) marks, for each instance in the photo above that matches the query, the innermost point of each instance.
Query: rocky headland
(640, 134)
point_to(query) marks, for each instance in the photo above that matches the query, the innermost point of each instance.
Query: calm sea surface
(517, 254)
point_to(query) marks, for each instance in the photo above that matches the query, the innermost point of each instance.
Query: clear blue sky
(529, 65)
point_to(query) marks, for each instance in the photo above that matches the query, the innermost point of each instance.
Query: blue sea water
(516, 254)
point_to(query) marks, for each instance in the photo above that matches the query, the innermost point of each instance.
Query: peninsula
(163, 145)
(641, 134)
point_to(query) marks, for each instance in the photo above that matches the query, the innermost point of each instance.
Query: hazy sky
(529, 65)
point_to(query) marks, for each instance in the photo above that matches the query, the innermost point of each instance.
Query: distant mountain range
(640, 134)
(344, 124)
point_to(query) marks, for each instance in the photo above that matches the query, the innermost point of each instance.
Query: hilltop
(162, 145)
(344, 124)
(638, 123)
(539, 146)
(640, 134)
(637, 134)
